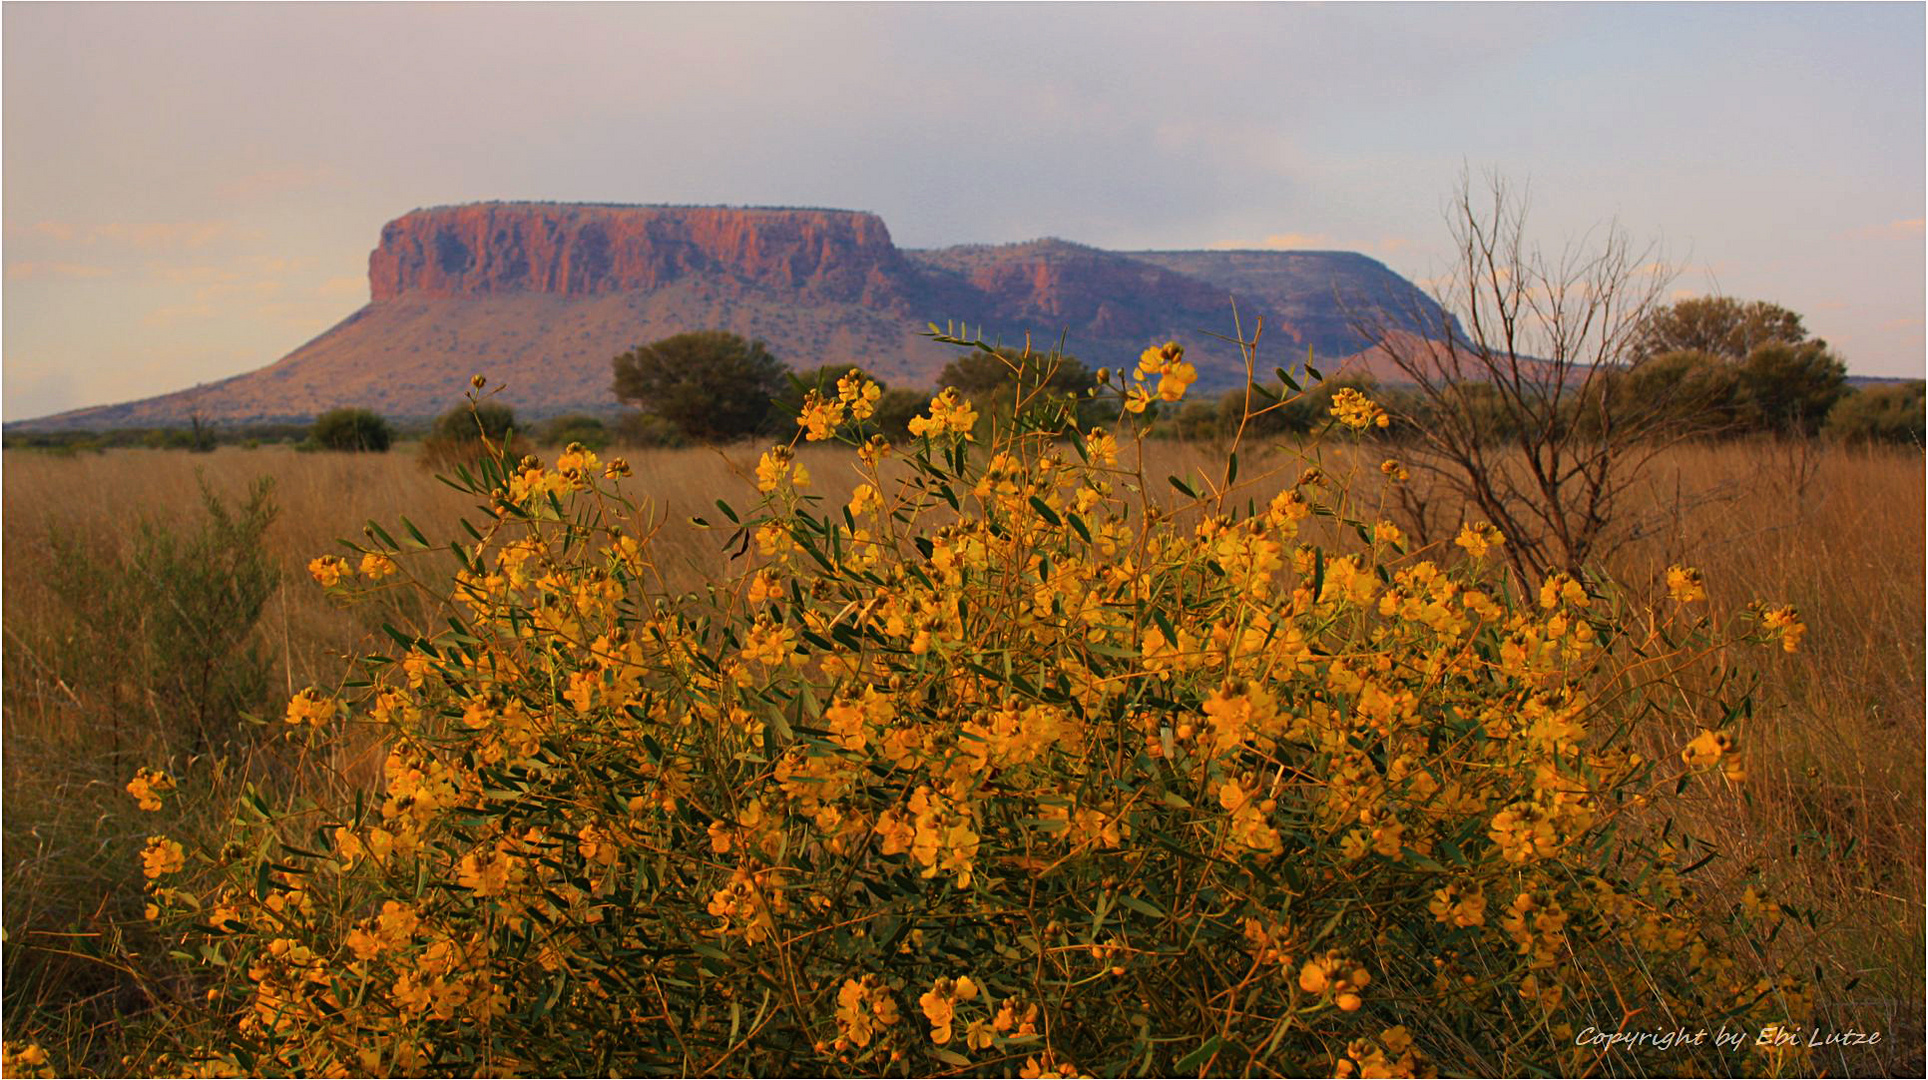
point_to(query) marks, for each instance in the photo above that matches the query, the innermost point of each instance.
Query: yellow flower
(949, 412)
(327, 569)
(1707, 748)
(148, 786)
(863, 1007)
(863, 499)
(1102, 447)
(616, 468)
(1178, 377)
(375, 566)
(1456, 907)
(765, 585)
(1335, 975)
(939, 1005)
(486, 875)
(310, 707)
(1357, 411)
(776, 466)
(1562, 587)
(162, 856)
(1787, 622)
(1524, 832)
(1137, 399)
(1159, 359)
(1684, 584)
(858, 394)
(819, 418)
(875, 449)
(767, 643)
(1393, 469)
(28, 1060)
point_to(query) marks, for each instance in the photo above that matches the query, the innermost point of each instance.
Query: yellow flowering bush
(1003, 766)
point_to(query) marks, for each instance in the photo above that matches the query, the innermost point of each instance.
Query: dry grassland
(1833, 804)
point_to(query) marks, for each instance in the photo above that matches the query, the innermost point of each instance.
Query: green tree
(486, 419)
(1685, 393)
(576, 428)
(1718, 326)
(1747, 363)
(1043, 389)
(352, 430)
(458, 435)
(895, 410)
(1883, 414)
(1790, 388)
(1009, 374)
(711, 385)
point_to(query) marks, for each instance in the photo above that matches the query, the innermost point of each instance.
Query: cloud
(196, 275)
(277, 182)
(1898, 227)
(37, 386)
(1901, 324)
(1297, 241)
(26, 271)
(1287, 241)
(343, 286)
(142, 235)
(174, 313)
(1278, 242)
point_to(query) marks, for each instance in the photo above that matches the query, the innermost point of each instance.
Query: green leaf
(1424, 863)
(381, 534)
(1199, 1056)
(415, 533)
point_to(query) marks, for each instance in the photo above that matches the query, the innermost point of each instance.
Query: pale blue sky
(192, 191)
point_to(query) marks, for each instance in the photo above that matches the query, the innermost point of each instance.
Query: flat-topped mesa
(587, 250)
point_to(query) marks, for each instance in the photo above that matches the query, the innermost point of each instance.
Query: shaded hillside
(540, 296)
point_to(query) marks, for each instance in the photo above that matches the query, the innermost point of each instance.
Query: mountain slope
(540, 296)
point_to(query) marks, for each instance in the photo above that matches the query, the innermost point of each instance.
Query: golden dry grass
(1833, 807)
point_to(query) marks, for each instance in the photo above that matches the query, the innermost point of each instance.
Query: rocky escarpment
(489, 249)
(540, 296)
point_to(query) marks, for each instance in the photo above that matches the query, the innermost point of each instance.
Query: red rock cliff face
(572, 250)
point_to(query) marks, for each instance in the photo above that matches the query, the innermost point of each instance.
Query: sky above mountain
(192, 191)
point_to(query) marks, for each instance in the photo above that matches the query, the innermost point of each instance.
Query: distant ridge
(540, 295)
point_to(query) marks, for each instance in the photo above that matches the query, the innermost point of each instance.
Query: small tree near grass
(711, 385)
(1881, 414)
(1005, 383)
(466, 433)
(581, 428)
(352, 430)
